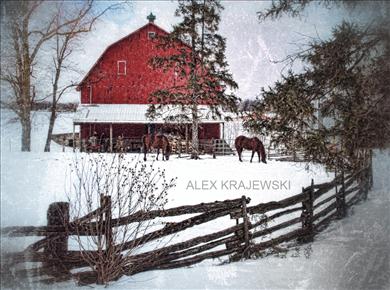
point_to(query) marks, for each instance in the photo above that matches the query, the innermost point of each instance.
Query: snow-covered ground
(39, 177)
(352, 253)
(11, 131)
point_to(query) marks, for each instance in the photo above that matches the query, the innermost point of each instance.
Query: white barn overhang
(133, 114)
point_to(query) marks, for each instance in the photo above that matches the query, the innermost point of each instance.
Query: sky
(253, 48)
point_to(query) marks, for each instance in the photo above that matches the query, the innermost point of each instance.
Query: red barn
(114, 93)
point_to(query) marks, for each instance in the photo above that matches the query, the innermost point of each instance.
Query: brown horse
(253, 144)
(156, 142)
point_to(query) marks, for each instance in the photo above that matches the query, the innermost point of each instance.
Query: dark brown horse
(253, 144)
(156, 142)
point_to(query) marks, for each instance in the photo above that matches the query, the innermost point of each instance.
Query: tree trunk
(25, 116)
(50, 130)
(195, 137)
(26, 131)
(24, 66)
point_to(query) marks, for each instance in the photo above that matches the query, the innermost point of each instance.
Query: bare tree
(27, 26)
(62, 51)
(113, 189)
(65, 43)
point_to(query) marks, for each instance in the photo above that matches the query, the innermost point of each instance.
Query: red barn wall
(209, 131)
(128, 130)
(206, 130)
(140, 80)
(103, 84)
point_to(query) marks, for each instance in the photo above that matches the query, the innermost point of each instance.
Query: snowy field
(351, 254)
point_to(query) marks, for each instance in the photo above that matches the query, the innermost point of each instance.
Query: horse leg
(258, 154)
(166, 151)
(262, 152)
(144, 148)
(253, 153)
(158, 152)
(239, 151)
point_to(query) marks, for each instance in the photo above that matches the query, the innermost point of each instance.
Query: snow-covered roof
(126, 113)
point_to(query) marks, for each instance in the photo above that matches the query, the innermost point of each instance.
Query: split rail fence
(296, 219)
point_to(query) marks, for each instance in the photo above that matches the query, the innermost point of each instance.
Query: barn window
(151, 34)
(121, 67)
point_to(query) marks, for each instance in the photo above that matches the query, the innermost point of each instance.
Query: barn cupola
(151, 17)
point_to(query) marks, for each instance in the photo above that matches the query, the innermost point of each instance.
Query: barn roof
(130, 113)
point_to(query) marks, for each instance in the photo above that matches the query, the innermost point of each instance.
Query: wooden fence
(254, 229)
(214, 147)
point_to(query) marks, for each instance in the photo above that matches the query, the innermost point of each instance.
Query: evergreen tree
(339, 107)
(200, 65)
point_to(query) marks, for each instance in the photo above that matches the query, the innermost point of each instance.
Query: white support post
(74, 138)
(186, 138)
(80, 143)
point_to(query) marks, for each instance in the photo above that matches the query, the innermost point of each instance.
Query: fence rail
(298, 217)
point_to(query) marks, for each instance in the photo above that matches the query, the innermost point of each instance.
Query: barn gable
(122, 74)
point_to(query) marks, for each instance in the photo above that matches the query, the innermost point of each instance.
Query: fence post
(246, 221)
(63, 143)
(365, 182)
(335, 178)
(340, 198)
(74, 138)
(307, 214)
(214, 142)
(57, 246)
(371, 175)
(246, 225)
(179, 148)
(187, 140)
